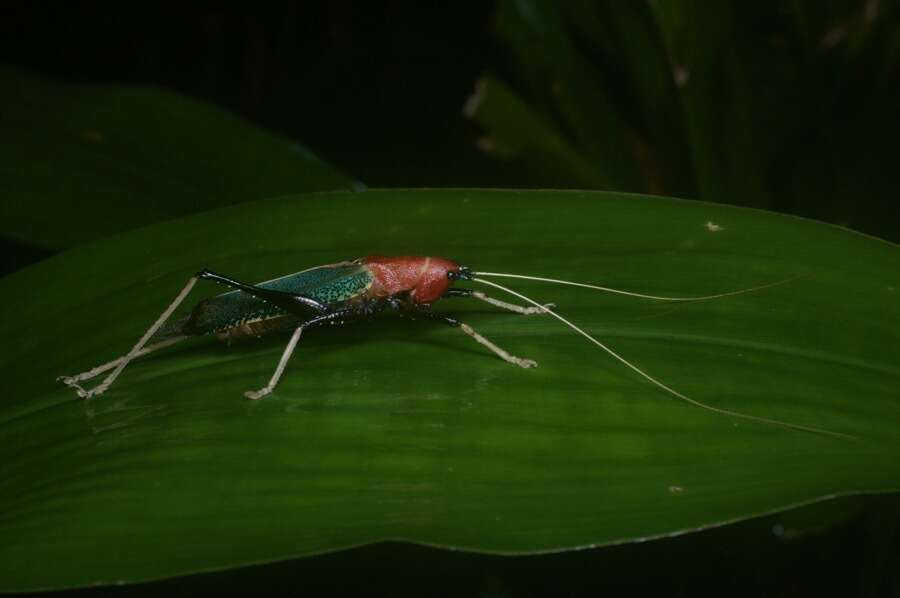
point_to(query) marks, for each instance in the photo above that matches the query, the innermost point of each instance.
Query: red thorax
(425, 278)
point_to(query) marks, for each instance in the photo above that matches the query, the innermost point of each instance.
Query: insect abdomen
(331, 285)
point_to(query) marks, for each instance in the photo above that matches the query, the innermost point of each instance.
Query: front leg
(526, 311)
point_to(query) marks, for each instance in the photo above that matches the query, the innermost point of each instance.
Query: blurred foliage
(788, 106)
(80, 162)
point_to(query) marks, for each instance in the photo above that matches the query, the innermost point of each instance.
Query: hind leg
(73, 381)
(135, 351)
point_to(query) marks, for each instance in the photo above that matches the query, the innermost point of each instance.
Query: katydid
(358, 290)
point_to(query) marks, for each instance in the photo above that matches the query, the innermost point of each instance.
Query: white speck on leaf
(681, 74)
(470, 108)
(93, 136)
(713, 227)
(870, 13)
(486, 144)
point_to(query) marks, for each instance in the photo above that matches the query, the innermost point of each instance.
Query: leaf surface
(400, 429)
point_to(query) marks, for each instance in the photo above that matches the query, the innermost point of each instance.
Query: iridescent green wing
(333, 285)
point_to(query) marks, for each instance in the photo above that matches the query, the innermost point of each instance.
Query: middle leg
(333, 317)
(501, 353)
(285, 357)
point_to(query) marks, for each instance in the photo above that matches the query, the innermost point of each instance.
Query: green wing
(332, 285)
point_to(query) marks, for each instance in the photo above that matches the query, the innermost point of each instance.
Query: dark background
(377, 89)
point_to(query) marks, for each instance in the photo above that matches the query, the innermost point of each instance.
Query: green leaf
(79, 162)
(409, 430)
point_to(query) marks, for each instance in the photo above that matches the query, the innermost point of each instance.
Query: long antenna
(631, 293)
(656, 382)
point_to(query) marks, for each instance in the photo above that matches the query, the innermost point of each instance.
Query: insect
(359, 290)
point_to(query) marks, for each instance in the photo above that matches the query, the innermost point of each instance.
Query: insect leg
(336, 316)
(505, 356)
(298, 305)
(288, 351)
(124, 360)
(74, 380)
(519, 361)
(527, 311)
